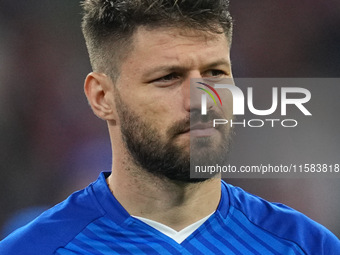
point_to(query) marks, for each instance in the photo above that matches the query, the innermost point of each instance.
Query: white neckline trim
(178, 236)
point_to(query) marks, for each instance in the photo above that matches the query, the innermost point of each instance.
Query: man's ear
(98, 89)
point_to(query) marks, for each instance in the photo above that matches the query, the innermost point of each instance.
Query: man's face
(159, 119)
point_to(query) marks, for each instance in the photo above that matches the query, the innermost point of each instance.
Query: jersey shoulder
(284, 222)
(55, 227)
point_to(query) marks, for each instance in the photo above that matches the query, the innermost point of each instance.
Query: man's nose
(192, 96)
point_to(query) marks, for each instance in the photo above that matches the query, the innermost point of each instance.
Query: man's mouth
(200, 129)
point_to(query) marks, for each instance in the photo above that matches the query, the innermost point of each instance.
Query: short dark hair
(108, 25)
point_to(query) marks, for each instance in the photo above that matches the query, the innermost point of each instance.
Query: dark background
(51, 144)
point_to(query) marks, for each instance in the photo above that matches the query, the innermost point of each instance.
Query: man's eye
(168, 77)
(215, 73)
(167, 80)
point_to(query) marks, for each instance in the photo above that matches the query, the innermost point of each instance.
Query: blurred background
(51, 144)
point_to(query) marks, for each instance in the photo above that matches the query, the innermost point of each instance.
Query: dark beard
(165, 158)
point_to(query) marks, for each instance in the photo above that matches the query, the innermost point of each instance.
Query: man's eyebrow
(165, 69)
(176, 68)
(219, 62)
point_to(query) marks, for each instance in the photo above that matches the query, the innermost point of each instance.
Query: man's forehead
(163, 36)
(162, 50)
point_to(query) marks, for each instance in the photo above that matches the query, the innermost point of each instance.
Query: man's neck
(175, 204)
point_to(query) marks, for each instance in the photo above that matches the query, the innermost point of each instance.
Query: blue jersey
(93, 222)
